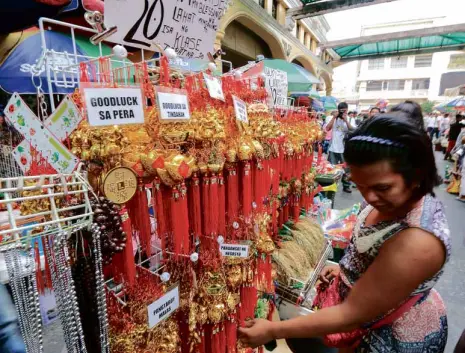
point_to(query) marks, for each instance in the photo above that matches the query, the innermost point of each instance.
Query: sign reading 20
(146, 20)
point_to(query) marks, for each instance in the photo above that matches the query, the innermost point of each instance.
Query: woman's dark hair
(393, 138)
(413, 111)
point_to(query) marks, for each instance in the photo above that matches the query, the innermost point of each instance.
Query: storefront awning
(313, 8)
(420, 41)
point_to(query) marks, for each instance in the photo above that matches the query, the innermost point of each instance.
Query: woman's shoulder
(430, 217)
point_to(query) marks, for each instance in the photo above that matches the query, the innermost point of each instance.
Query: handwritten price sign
(187, 26)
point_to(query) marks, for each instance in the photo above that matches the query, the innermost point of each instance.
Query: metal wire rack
(298, 292)
(51, 190)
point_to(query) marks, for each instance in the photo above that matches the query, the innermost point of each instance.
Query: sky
(348, 24)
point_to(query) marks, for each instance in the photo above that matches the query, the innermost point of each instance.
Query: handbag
(329, 295)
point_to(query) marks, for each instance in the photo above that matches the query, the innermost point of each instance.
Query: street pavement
(452, 284)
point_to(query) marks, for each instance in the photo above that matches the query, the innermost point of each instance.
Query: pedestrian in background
(10, 337)
(339, 126)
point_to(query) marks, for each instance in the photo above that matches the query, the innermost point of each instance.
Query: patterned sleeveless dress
(424, 327)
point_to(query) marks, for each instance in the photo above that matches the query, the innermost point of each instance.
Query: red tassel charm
(48, 273)
(222, 339)
(231, 335)
(246, 191)
(123, 263)
(195, 207)
(232, 195)
(221, 206)
(139, 212)
(183, 219)
(213, 203)
(39, 278)
(159, 209)
(175, 207)
(164, 71)
(206, 205)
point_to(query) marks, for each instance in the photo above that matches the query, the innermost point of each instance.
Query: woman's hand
(256, 333)
(329, 273)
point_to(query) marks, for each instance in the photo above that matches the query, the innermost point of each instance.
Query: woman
(412, 110)
(399, 247)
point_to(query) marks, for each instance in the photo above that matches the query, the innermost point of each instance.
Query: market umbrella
(457, 104)
(318, 106)
(299, 79)
(15, 68)
(311, 94)
(443, 108)
(329, 102)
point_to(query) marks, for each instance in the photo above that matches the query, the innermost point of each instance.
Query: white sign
(276, 86)
(189, 26)
(164, 307)
(234, 250)
(173, 106)
(114, 106)
(39, 137)
(241, 110)
(214, 86)
(64, 120)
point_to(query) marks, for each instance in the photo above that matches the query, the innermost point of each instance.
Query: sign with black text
(173, 106)
(114, 106)
(187, 26)
(163, 307)
(215, 89)
(276, 86)
(234, 250)
(240, 107)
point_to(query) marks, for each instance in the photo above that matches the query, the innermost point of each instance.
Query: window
(420, 83)
(297, 27)
(376, 64)
(457, 61)
(396, 85)
(399, 62)
(388, 85)
(274, 9)
(261, 3)
(423, 60)
(374, 86)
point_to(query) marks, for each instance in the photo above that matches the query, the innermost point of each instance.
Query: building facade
(420, 77)
(261, 27)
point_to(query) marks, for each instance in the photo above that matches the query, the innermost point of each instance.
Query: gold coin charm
(120, 185)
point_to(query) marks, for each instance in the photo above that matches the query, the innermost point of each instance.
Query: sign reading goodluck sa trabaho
(187, 26)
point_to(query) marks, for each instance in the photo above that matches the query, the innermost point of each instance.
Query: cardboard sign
(215, 89)
(173, 106)
(40, 138)
(164, 307)
(23, 157)
(240, 107)
(64, 120)
(276, 86)
(189, 27)
(234, 250)
(114, 106)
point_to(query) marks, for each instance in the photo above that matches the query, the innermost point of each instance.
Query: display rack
(287, 292)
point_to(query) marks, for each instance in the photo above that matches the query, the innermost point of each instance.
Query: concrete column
(307, 40)
(269, 7)
(300, 35)
(281, 14)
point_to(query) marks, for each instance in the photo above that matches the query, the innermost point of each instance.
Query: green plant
(427, 107)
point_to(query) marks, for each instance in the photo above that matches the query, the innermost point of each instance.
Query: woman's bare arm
(403, 263)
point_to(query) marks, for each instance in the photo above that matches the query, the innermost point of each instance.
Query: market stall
(160, 207)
